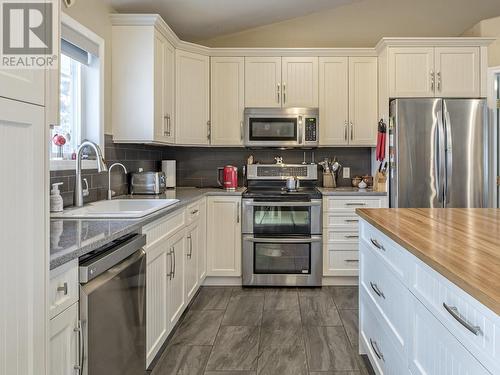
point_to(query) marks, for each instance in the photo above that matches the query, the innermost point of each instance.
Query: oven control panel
(311, 129)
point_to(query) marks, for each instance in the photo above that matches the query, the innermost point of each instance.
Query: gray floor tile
(350, 322)
(212, 298)
(345, 297)
(183, 360)
(281, 319)
(244, 310)
(236, 348)
(328, 349)
(335, 373)
(282, 352)
(281, 299)
(249, 291)
(318, 310)
(230, 373)
(199, 327)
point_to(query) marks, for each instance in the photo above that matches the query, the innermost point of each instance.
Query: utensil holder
(328, 180)
(380, 182)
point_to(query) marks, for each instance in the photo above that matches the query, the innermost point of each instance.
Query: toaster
(148, 183)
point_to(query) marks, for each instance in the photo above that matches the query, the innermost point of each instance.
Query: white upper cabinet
(164, 87)
(192, 119)
(434, 71)
(363, 101)
(411, 72)
(458, 72)
(348, 104)
(333, 100)
(227, 100)
(263, 82)
(299, 82)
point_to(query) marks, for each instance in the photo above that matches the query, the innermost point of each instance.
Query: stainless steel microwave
(281, 127)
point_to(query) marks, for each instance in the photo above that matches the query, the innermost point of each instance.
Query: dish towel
(381, 139)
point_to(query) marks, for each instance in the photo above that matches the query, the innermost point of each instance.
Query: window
(81, 93)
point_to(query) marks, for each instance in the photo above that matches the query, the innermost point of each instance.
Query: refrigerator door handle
(441, 157)
(449, 156)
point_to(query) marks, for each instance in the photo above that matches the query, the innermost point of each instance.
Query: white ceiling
(194, 20)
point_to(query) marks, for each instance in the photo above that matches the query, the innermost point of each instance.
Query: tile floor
(292, 331)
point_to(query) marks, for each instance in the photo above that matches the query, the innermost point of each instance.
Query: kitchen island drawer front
(434, 350)
(351, 203)
(340, 263)
(384, 355)
(164, 227)
(341, 237)
(340, 221)
(63, 287)
(474, 325)
(395, 257)
(387, 294)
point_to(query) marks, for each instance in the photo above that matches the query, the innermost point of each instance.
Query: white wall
(94, 14)
(489, 27)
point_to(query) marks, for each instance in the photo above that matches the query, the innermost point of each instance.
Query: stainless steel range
(282, 242)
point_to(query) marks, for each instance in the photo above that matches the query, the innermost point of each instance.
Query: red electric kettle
(229, 177)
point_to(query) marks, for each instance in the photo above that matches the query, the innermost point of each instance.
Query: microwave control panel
(311, 129)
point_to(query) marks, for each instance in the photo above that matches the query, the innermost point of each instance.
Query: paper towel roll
(168, 167)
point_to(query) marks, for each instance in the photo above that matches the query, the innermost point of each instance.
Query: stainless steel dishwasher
(113, 308)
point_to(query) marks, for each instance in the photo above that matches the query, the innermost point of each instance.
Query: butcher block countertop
(462, 244)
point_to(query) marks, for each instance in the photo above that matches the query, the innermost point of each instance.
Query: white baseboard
(222, 281)
(340, 280)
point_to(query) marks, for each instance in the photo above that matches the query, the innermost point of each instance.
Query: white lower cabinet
(224, 236)
(64, 358)
(403, 325)
(176, 300)
(191, 259)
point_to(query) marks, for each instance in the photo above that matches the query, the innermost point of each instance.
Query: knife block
(380, 182)
(328, 181)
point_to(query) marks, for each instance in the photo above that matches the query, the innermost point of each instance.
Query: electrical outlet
(346, 172)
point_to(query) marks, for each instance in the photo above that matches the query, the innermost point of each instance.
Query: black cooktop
(281, 193)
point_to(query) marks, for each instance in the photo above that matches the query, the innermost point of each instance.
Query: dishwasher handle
(96, 266)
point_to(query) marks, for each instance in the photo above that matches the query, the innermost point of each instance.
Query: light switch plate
(346, 172)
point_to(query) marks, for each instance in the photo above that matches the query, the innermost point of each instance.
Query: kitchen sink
(117, 208)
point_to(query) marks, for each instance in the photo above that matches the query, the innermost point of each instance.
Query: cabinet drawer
(384, 356)
(163, 227)
(341, 237)
(394, 257)
(434, 350)
(340, 221)
(342, 263)
(352, 203)
(193, 212)
(387, 295)
(63, 287)
(434, 291)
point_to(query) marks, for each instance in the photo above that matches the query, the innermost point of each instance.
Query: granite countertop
(348, 190)
(462, 244)
(72, 238)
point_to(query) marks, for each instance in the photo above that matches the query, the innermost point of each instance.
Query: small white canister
(168, 167)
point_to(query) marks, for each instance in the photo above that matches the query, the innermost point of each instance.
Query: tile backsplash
(196, 166)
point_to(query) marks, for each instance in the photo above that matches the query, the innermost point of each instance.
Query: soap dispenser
(56, 201)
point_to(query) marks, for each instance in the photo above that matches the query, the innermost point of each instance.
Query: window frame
(95, 135)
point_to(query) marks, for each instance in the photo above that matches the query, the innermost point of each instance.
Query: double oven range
(282, 239)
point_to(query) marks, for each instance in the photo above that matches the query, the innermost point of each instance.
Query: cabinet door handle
(377, 290)
(171, 273)
(209, 130)
(377, 351)
(351, 236)
(284, 92)
(453, 311)
(238, 213)
(175, 262)
(194, 212)
(352, 261)
(351, 220)
(278, 93)
(190, 254)
(352, 131)
(432, 79)
(355, 204)
(346, 124)
(63, 288)
(377, 244)
(438, 74)
(81, 342)
(241, 131)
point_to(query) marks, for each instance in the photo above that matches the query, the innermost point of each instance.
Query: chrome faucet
(110, 192)
(101, 167)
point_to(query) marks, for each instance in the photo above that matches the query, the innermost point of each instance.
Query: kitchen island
(430, 290)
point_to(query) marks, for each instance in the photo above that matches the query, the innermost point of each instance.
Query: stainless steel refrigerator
(438, 151)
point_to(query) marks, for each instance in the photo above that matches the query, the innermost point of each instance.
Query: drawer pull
(355, 204)
(351, 220)
(63, 288)
(351, 261)
(377, 290)
(351, 236)
(453, 311)
(377, 244)
(377, 351)
(194, 212)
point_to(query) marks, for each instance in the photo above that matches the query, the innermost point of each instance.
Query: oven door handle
(282, 240)
(284, 204)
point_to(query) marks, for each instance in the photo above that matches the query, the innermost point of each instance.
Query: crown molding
(434, 42)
